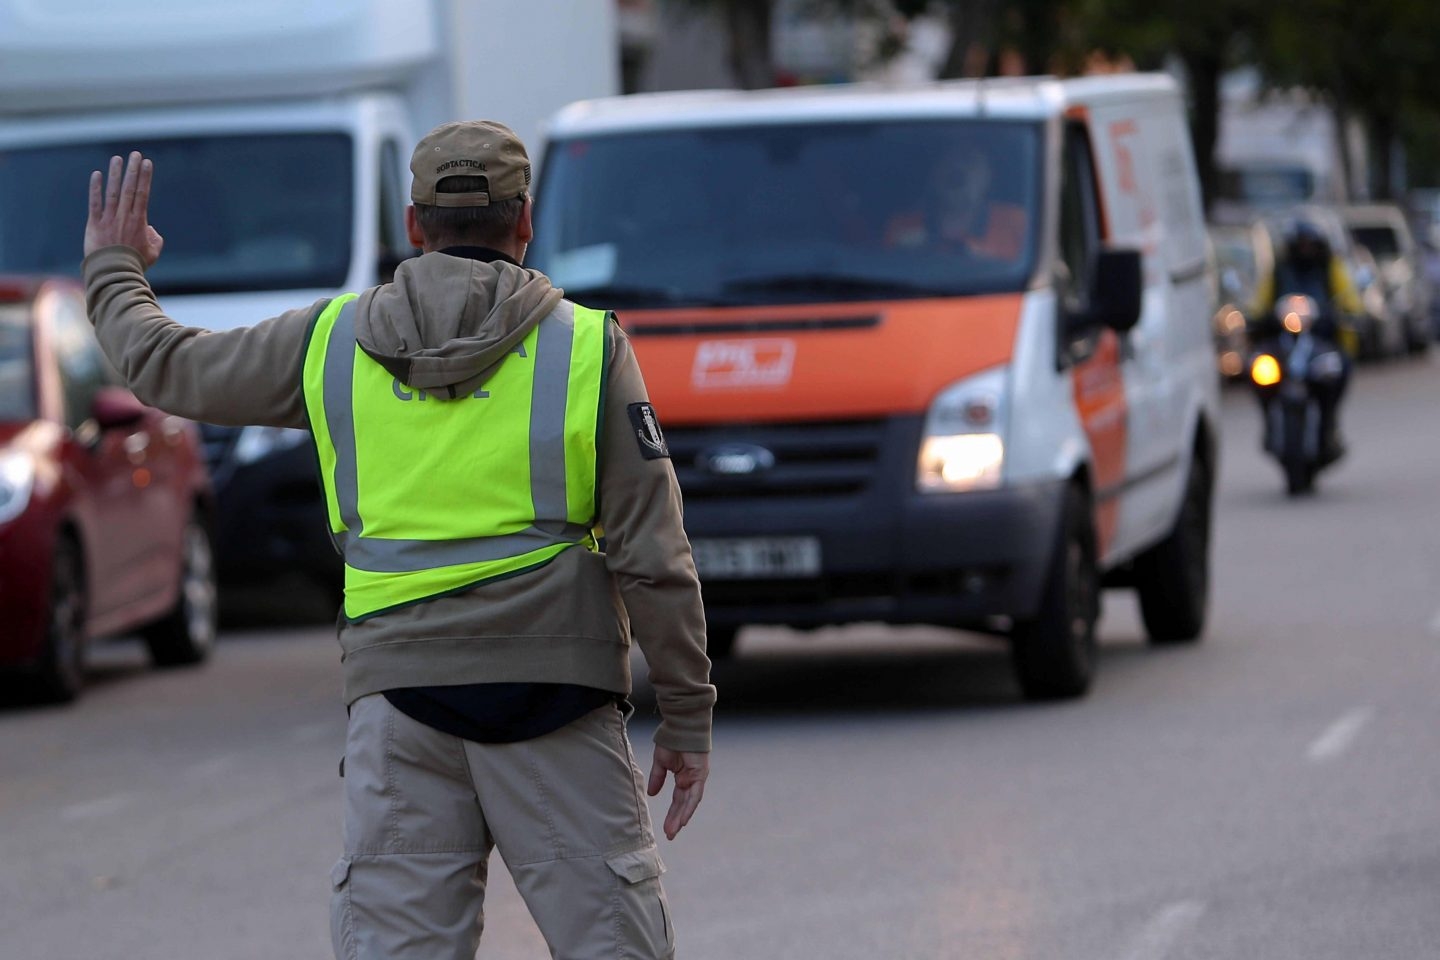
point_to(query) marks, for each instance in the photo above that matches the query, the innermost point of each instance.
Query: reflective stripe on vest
(437, 495)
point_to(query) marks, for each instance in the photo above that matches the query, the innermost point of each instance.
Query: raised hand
(119, 209)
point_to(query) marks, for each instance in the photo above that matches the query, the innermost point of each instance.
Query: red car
(104, 502)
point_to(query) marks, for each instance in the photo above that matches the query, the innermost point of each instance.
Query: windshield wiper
(634, 295)
(828, 283)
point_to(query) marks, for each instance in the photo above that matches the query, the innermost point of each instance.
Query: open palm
(119, 209)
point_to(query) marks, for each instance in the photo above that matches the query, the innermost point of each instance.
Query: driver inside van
(960, 211)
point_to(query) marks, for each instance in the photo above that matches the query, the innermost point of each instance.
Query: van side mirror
(1117, 289)
(116, 407)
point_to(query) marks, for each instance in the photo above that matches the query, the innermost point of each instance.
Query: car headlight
(17, 480)
(963, 446)
(257, 443)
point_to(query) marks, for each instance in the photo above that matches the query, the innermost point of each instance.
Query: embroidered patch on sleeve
(647, 432)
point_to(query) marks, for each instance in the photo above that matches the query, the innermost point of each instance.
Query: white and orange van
(939, 355)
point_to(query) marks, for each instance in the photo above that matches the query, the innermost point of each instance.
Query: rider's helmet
(1306, 244)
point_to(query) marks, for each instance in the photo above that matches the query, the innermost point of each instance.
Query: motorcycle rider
(1308, 266)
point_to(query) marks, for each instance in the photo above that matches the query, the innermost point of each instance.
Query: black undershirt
(497, 712)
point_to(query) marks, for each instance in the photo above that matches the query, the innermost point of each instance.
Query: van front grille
(822, 459)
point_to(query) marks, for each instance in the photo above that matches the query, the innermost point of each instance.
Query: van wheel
(1054, 653)
(720, 642)
(61, 670)
(186, 634)
(1173, 577)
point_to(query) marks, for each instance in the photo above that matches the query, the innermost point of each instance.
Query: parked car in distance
(1383, 230)
(104, 503)
(1242, 255)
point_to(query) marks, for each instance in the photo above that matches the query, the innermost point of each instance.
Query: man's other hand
(690, 771)
(119, 209)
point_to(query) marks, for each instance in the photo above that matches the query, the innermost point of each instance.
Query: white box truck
(281, 132)
(1280, 148)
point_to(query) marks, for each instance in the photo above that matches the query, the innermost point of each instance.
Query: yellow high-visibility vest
(428, 496)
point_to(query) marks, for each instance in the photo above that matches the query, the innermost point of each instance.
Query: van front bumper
(887, 553)
(956, 560)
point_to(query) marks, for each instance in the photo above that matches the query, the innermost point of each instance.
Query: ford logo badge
(736, 460)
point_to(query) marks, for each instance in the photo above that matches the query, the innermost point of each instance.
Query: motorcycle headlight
(1265, 370)
(17, 480)
(257, 443)
(963, 446)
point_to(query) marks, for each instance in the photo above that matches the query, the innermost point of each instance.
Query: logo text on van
(735, 364)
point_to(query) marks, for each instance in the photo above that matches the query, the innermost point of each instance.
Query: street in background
(1269, 793)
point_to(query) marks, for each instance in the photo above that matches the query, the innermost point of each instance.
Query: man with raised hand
(476, 432)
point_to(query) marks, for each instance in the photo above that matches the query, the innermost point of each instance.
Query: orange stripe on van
(831, 361)
(1100, 401)
(1100, 381)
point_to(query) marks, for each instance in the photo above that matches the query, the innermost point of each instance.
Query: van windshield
(809, 213)
(17, 367)
(1382, 242)
(253, 212)
(1267, 186)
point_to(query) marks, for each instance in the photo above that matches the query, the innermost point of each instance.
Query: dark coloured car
(104, 503)
(270, 515)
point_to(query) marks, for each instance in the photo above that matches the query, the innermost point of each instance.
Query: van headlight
(257, 443)
(17, 480)
(963, 447)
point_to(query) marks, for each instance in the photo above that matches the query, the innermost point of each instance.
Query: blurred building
(675, 46)
(1279, 147)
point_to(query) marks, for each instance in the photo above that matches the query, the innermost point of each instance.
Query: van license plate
(756, 558)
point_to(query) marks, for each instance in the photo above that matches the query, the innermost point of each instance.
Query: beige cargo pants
(423, 810)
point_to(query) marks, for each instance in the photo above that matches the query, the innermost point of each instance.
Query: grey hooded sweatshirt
(442, 325)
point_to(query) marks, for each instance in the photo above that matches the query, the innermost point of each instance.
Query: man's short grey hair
(488, 226)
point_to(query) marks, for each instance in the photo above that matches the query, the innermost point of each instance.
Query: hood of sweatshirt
(445, 322)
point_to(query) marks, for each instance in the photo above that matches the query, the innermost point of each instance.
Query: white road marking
(96, 808)
(314, 731)
(1164, 930)
(206, 769)
(1338, 737)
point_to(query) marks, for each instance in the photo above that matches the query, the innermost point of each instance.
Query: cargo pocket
(644, 929)
(342, 925)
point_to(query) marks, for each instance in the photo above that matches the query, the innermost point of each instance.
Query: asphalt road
(1271, 793)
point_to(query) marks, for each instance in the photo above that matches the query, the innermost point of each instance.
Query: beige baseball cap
(469, 148)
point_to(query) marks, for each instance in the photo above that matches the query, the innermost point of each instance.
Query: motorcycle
(1289, 379)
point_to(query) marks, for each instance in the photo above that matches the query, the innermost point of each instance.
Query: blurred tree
(974, 36)
(982, 31)
(1420, 132)
(1207, 38)
(1373, 58)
